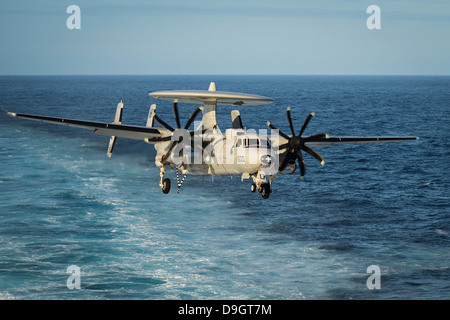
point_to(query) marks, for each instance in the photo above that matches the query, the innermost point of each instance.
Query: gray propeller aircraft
(206, 150)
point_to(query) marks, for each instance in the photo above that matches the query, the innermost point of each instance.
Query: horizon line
(223, 75)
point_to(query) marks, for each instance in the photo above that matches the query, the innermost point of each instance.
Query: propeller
(296, 143)
(177, 120)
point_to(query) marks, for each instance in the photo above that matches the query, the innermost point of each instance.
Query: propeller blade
(284, 146)
(285, 161)
(296, 143)
(314, 154)
(305, 123)
(272, 127)
(288, 115)
(175, 114)
(192, 117)
(167, 155)
(301, 164)
(161, 122)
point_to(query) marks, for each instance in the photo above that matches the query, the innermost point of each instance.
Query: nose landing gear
(260, 184)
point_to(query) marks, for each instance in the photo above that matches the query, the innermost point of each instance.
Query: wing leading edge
(148, 134)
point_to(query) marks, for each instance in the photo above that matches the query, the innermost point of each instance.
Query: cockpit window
(251, 143)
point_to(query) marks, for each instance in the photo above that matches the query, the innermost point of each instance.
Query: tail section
(236, 119)
(151, 116)
(117, 120)
(209, 112)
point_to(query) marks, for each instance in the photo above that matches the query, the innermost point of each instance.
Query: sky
(225, 37)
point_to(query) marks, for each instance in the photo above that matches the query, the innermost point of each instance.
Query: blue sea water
(63, 202)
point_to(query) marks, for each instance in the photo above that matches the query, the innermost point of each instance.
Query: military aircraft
(206, 150)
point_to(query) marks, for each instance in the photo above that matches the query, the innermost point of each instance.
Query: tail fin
(117, 120)
(209, 111)
(151, 115)
(236, 119)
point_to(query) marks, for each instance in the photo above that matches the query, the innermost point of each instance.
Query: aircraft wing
(323, 140)
(148, 134)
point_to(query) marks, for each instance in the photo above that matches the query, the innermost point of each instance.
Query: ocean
(65, 206)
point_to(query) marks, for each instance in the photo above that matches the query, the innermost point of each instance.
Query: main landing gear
(165, 183)
(264, 189)
(166, 186)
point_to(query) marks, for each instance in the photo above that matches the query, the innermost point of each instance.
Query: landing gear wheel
(265, 190)
(166, 186)
(253, 187)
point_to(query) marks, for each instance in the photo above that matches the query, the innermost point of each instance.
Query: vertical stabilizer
(119, 110)
(212, 86)
(151, 116)
(236, 119)
(117, 120)
(209, 112)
